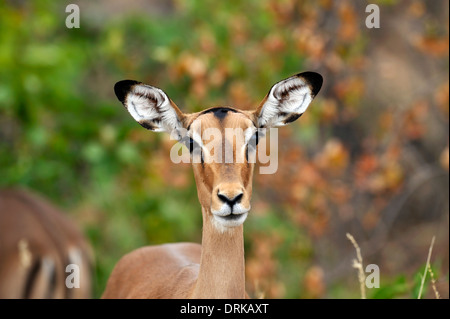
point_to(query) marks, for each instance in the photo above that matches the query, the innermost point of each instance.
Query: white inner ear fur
(290, 96)
(149, 104)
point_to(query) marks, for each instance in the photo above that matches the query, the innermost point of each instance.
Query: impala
(37, 243)
(216, 268)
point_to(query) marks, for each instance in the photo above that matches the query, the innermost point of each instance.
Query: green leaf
(397, 288)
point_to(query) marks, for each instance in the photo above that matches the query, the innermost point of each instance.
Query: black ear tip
(122, 88)
(314, 80)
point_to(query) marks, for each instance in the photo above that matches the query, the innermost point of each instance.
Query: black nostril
(223, 198)
(229, 201)
(238, 198)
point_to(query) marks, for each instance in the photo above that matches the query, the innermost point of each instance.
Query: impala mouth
(232, 216)
(231, 220)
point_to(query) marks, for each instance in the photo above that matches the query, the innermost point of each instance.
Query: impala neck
(222, 267)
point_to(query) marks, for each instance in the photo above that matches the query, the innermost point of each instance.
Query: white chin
(229, 221)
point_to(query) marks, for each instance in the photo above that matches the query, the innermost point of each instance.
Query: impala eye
(189, 143)
(254, 140)
(193, 147)
(251, 145)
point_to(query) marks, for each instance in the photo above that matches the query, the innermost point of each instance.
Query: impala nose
(230, 204)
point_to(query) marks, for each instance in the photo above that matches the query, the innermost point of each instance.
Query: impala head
(221, 139)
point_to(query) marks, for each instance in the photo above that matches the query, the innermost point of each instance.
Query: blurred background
(370, 157)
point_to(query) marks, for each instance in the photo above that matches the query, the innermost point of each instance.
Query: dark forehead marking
(219, 112)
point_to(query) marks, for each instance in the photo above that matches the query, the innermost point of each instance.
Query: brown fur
(33, 233)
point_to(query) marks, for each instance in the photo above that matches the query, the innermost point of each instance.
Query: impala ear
(150, 107)
(287, 100)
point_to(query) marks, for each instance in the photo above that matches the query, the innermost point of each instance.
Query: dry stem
(358, 264)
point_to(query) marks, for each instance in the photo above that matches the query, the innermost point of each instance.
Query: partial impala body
(215, 269)
(37, 243)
